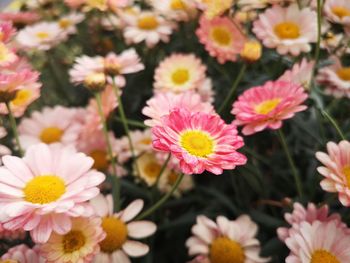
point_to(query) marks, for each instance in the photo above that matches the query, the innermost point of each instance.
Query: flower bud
(251, 51)
(95, 81)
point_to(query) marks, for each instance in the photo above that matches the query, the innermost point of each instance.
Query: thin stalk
(134, 123)
(318, 44)
(233, 88)
(115, 178)
(165, 164)
(334, 123)
(162, 200)
(291, 163)
(14, 128)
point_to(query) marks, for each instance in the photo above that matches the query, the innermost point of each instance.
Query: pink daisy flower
(179, 10)
(119, 228)
(221, 38)
(336, 170)
(80, 244)
(85, 66)
(319, 242)
(267, 106)
(309, 214)
(225, 241)
(6, 31)
(40, 192)
(22, 254)
(337, 11)
(68, 22)
(162, 104)
(287, 29)
(201, 141)
(7, 55)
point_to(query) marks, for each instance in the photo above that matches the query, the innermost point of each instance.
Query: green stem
(115, 178)
(165, 164)
(233, 88)
(162, 200)
(318, 44)
(291, 163)
(134, 123)
(14, 128)
(334, 123)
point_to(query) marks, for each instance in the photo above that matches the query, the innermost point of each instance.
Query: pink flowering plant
(174, 131)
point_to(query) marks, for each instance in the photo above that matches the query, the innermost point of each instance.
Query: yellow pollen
(180, 76)
(172, 178)
(341, 11)
(197, 143)
(116, 234)
(344, 73)
(224, 250)
(100, 160)
(51, 135)
(148, 22)
(64, 23)
(42, 35)
(323, 256)
(44, 189)
(146, 141)
(73, 241)
(221, 36)
(152, 169)
(177, 5)
(22, 97)
(346, 172)
(267, 106)
(287, 30)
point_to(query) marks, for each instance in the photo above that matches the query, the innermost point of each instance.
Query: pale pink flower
(179, 10)
(335, 78)
(337, 11)
(267, 106)
(85, 66)
(74, 3)
(201, 141)
(163, 103)
(68, 22)
(308, 214)
(43, 190)
(336, 170)
(119, 227)
(6, 31)
(142, 142)
(299, 74)
(22, 254)
(287, 29)
(22, 18)
(319, 242)
(51, 125)
(18, 234)
(221, 37)
(79, 245)
(225, 240)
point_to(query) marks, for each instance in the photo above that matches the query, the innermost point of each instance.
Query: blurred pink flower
(6, 31)
(337, 11)
(22, 18)
(23, 254)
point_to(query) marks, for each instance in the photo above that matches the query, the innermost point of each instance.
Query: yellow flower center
(42, 35)
(224, 250)
(9, 261)
(73, 241)
(22, 97)
(323, 256)
(51, 135)
(287, 30)
(146, 141)
(346, 172)
(180, 76)
(197, 143)
(65, 23)
(116, 234)
(267, 106)
(221, 36)
(177, 5)
(341, 11)
(148, 22)
(344, 73)
(152, 169)
(44, 189)
(100, 160)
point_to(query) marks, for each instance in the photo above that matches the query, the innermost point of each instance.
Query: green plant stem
(115, 178)
(162, 200)
(134, 123)
(318, 44)
(165, 164)
(334, 123)
(233, 88)
(14, 128)
(291, 163)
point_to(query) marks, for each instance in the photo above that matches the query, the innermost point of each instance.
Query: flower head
(179, 10)
(68, 22)
(126, 62)
(6, 31)
(337, 11)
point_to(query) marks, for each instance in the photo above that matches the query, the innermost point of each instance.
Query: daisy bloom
(68, 22)
(162, 104)
(299, 74)
(43, 190)
(225, 241)
(221, 38)
(201, 141)
(179, 10)
(22, 254)
(337, 11)
(319, 242)
(167, 181)
(51, 125)
(309, 214)
(287, 29)
(119, 228)
(7, 55)
(267, 106)
(336, 170)
(84, 67)
(6, 31)
(142, 141)
(147, 26)
(80, 244)
(335, 78)
(179, 72)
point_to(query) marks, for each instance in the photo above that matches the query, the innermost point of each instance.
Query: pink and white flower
(22, 254)
(68, 22)
(179, 10)
(337, 11)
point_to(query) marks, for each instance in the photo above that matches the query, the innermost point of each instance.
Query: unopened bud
(95, 81)
(251, 51)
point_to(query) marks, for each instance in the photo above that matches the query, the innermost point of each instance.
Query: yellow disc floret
(323, 256)
(287, 30)
(197, 143)
(116, 234)
(225, 250)
(51, 135)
